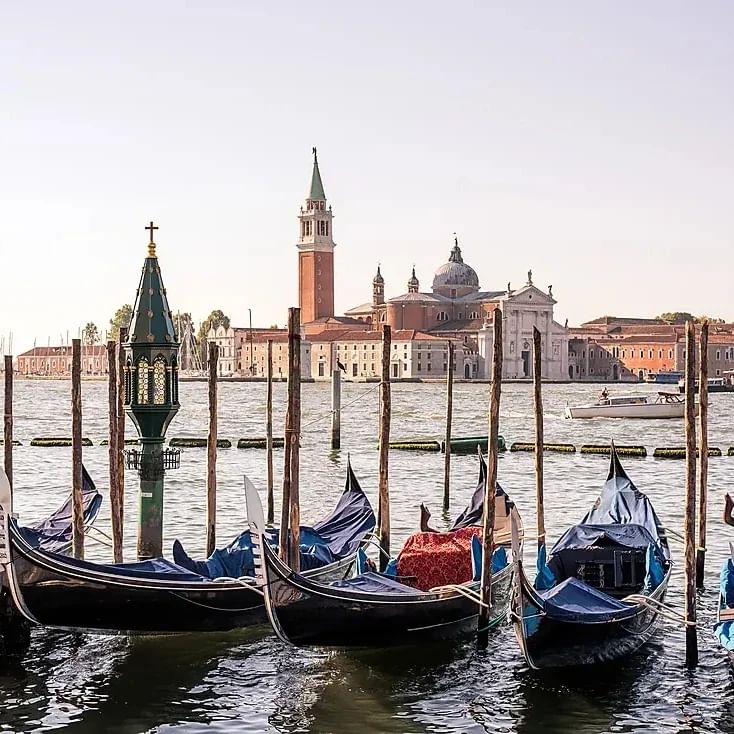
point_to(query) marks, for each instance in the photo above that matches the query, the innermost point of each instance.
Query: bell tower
(316, 253)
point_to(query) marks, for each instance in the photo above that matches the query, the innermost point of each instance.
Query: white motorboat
(662, 405)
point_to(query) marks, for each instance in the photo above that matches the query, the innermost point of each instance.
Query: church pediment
(530, 294)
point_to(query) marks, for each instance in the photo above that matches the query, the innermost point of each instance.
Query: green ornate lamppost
(151, 397)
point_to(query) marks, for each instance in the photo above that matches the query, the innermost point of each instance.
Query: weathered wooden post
(690, 509)
(491, 479)
(124, 378)
(383, 506)
(336, 407)
(294, 389)
(269, 434)
(77, 499)
(447, 440)
(538, 408)
(8, 418)
(211, 452)
(112, 450)
(151, 397)
(703, 449)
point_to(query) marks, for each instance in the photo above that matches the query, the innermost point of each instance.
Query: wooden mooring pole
(447, 440)
(294, 378)
(383, 506)
(113, 449)
(690, 507)
(703, 451)
(538, 408)
(211, 452)
(269, 434)
(77, 500)
(124, 378)
(336, 407)
(8, 418)
(491, 479)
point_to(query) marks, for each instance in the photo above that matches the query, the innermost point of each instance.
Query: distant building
(56, 361)
(619, 349)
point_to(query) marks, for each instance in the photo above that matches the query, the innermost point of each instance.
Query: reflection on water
(248, 681)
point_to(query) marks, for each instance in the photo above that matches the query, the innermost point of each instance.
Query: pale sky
(589, 141)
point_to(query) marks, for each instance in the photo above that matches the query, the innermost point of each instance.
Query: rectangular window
(718, 354)
(428, 369)
(405, 367)
(354, 370)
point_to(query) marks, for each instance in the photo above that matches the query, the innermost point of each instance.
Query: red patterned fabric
(428, 560)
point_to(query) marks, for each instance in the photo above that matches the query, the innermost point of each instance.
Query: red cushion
(437, 559)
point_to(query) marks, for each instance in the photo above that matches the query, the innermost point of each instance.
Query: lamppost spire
(151, 245)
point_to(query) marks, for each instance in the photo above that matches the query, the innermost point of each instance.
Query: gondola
(724, 627)
(378, 610)
(595, 598)
(157, 595)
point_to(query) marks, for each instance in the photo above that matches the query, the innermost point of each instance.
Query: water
(249, 682)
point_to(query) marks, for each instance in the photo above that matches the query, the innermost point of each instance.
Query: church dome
(455, 273)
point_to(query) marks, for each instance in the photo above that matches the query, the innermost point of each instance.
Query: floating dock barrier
(469, 444)
(606, 449)
(55, 441)
(198, 443)
(259, 443)
(561, 448)
(128, 442)
(416, 444)
(679, 452)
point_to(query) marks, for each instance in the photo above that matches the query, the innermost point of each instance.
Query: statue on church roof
(530, 277)
(550, 291)
(509, 288)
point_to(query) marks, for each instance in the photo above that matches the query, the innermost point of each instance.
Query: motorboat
(715, 384)
(662, 405)
(663, 378)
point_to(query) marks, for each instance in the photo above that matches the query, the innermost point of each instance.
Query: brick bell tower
(316, 253)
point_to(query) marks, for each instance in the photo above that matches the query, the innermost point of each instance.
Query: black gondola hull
(553, 643)
(343, 620)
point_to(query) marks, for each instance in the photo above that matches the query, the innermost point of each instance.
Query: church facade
(455, 308)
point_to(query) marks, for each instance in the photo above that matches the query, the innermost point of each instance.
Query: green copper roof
(317, 187)
(152, 321)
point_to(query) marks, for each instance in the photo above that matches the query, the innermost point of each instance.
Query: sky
(588, 141)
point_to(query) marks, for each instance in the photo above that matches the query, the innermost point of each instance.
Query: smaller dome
(413, 283)
(378, 277)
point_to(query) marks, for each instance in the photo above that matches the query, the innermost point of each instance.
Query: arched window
(128, 382)
(159, 380)
(174, 381)
(143, 394)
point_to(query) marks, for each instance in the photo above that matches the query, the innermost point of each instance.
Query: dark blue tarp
(329, 540)
(473, 512)
(620, 502)
(374, 583)
(724, 631)
(573, 601)
(54, 533)
(586, 536)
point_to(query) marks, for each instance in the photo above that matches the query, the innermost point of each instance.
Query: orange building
(56, 361)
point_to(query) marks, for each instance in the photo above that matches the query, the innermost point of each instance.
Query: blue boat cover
(54, 533)
(724, 631)
(544, 577)
(586, 536)
(474, 511)
(621, 503)
(374, 583)
(574, 601)
(329, 540)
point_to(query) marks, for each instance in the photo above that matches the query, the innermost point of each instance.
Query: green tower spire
(317, 187)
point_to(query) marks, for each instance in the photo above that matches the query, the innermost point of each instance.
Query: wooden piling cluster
(689, 532)
(491, 479)
(538, 410)
(447, 440)
(290, 518)
(703, 458)
(383, 507)
(76, 450)
(211, 452)
(8, 419)
(269, 434)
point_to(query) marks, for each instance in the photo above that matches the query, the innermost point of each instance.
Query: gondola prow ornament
(151, 397)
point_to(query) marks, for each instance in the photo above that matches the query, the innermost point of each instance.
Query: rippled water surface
(248, 681)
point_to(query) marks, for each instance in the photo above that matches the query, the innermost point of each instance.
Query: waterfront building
(55, 361)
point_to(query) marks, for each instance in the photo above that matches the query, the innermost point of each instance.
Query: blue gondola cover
(573, 601)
